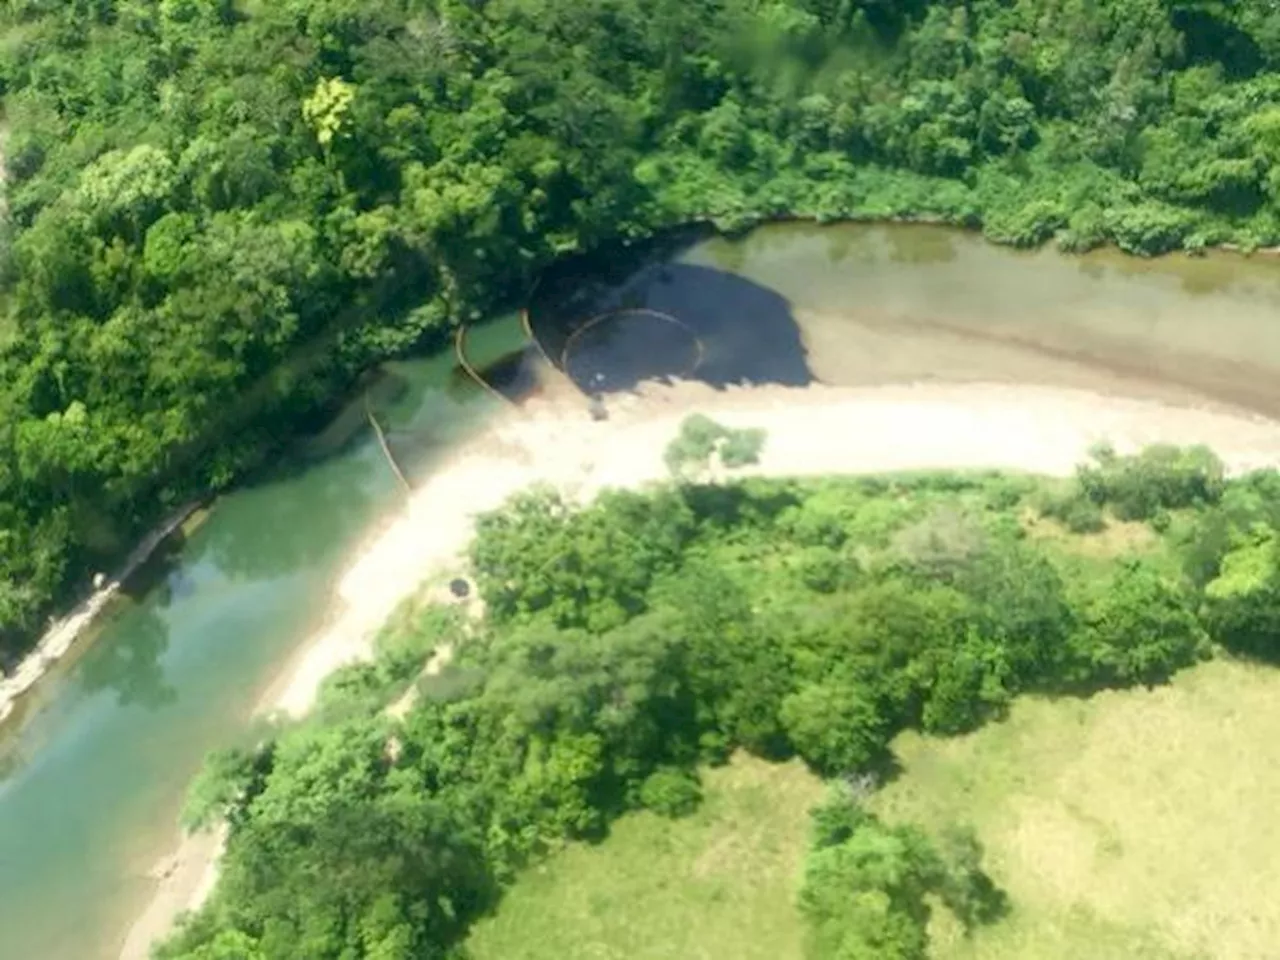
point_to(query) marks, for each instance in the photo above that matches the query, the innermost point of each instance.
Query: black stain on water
(512, 374)
(612, 323)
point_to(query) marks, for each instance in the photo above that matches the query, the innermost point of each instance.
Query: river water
(92, 775)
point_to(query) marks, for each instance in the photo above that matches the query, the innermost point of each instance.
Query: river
(94, 769)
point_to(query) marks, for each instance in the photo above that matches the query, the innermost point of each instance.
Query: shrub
(405, 644)
(671, 791)
(808, 526)
(741, 447)
(1085, 230)
(940, 543)
(825, 570)
(1075, 510)
(868, 886)
(695, 443)
(837, 726)
(969, 685)
(1161, 476)
(1242, 603)
(700, 437)
(1141, 630)
(1150, 228)
(1027, 226)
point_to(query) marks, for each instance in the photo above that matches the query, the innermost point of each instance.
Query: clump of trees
(1233, 552)
(867, 886)
(1145, 486)
(1159, 478)
(630, 642)
(217, 213)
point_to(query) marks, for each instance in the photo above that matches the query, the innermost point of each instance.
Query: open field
(1137, 824)
(720, 883)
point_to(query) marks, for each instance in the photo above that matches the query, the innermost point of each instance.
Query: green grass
(1139, 825)
(720, 883)
(1136, 825)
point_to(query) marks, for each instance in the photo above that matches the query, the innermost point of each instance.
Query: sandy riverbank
(811, 431)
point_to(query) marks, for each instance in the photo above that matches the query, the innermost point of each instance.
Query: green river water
(93, 772)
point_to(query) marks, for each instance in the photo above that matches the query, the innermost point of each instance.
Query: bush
(1150, 228)
(1075, 510)
(837, 726)
(811, 528)
(701, 437)
(968, 686)
(1141, 630)
(824, 570)
(1242, 603)
(1161, 476)
(741, 447)
(1027, 226)
(1086, 229)
(671, 791)
(1002, 493)
(695, 443)
(868, 886)
(415, 632)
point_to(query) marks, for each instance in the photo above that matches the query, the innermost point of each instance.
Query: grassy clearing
(1119, 538)
(720, 883)
(1137, 824)
(1134, 825)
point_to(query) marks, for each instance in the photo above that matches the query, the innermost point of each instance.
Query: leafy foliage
(701, 438)
(218, 213)
(671, 791)
(632, 641)
(1139, 630)
(1161, 477)
(867, 886)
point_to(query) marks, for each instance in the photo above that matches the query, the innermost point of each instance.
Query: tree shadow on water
(129, 661)
(293, 519)
(126, 656)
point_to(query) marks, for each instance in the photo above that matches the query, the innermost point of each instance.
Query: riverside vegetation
(631, 646)
(219, 211)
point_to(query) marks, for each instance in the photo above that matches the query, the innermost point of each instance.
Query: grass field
(1140, 825)
(718, 884)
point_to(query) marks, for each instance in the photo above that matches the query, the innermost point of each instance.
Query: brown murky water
(857, 305)
(907, 302)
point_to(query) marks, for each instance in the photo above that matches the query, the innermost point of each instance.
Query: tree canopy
(603, 677)
(218, 211)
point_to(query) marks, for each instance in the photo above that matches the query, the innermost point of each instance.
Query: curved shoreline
(65, 631)
(811, 431)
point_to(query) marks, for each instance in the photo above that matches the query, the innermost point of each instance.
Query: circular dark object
(620, 348)
(459, 587)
